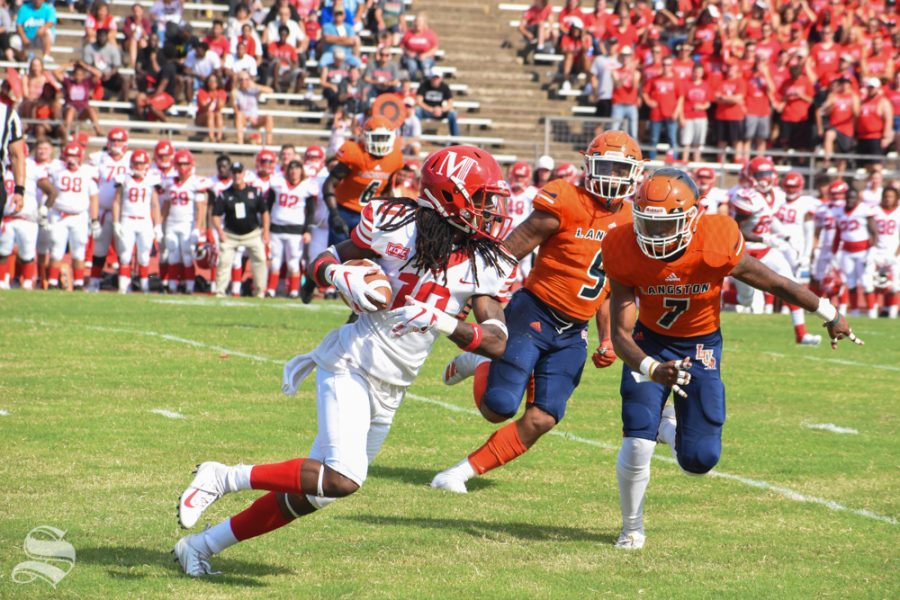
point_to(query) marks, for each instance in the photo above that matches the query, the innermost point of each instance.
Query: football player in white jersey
(872, 192)
(520, 204)
(44, 161)
(162, 170)
(184, 202)
(72, 201)
(111, 163)
(796, 218)
(856, 233)
(438, 253)
(314, 166)
(713, 199)
(824, 231)
(884, 262)
(754, 209)
(292, 208)
(136, 219)
(264, 175)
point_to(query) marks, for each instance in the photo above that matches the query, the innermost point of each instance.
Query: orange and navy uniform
(680, 298)
(568, 272)
(369, 175)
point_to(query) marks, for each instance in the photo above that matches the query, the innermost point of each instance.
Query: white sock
(235, 288)
(666, 433)
(798, 317)
(219, 537)
(189, 286)
(633, 475)
(173, 285)
(892, 311)
(124, 283)
(145, 284)
(463, 469)
(237, 478)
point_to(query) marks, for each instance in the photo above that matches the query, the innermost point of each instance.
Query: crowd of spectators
(160, 60)
(748, 75)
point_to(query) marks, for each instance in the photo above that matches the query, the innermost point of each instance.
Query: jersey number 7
(676, 306)
(595, 272)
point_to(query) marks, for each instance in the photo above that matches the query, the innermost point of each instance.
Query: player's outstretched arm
(490, 341)
(530, 233)
(755, 274)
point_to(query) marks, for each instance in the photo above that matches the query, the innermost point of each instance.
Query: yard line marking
(755, 483)
(167, 413)
(332, 307)
(837, 361)
(4, 412)
(830, 427)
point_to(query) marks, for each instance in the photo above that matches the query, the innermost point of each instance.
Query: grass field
(794, 513)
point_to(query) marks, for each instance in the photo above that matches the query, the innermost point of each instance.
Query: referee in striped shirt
(12, 147)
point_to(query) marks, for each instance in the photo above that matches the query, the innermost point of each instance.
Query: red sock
(173, 272)
(97, 267)
(78, 276)
(870, 300)
(479, 387)
(125, 271)
(53, 275)
(29, 270)
(187, 273)
(144, 271)
(844, 296)
(295, 283)
(112, 254)
(273, 281)
(854, 299)
(166, 272)
(278, 477)
(814, 288)
(89, 251)
(770, 299)
(4, 270)
(235, 274)
(261, 517)
(503, 446)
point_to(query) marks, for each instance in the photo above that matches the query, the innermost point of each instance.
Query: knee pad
(637, 419)
(319, 502)
(699, 457)
(635, 454)
(501, 401)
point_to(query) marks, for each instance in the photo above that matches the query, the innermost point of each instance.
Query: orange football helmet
(665, 213)
(613, 163)
(378, 136)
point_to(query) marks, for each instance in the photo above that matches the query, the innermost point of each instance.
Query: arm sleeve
(363, 234)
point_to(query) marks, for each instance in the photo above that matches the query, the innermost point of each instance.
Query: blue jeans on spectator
(450, 116)
(625, 112)
(414, 65)
(671, 126)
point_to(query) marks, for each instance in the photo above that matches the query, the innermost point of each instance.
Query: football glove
(158, 233)
(118, 230)
(195, 237)
(605, 355)
(350, 281)
(96, 228)
(419, 317)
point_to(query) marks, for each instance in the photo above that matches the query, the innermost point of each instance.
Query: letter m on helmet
(454, 166)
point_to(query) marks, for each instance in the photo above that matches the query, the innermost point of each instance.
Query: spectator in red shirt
(663, 96)
(626, 86)
(893, 95)
(768, 46)
(284, 63)
(419, 44)
(796, 96)
(99, 18)
(841, 108)
(535, 25)
(760, 95)
(622, 30)
(704, 36)
(211, 99)
(683, 66)
(730, 97)
(572, 10)
(825, 54)
(576, 47)
(878, 62)
(598, 23)
(216, 39)
(694, 119)
(137, 30)
(875, 123)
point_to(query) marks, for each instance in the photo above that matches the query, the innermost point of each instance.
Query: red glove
(605, 355)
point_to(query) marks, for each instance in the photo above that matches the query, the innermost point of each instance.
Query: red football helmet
(837, 190)
(378, 136)
(705, 178)
(567, 171)
(163, 154)
(140, 162)
(792, 184)
(73, 155)
(832, 283)
(117, 141)
(314, 153)
(265, 162)
(465, 185)
(665, 213)
(206, 255)
(613, 164)
(184, 163)
(520, 175)
(762, 175)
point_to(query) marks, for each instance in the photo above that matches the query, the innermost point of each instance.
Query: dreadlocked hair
(437, 240)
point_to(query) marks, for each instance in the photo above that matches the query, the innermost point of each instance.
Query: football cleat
(631, 541)
(461, 367)
(809, 339)
(192, 553)
(450, 481)
(206, 488)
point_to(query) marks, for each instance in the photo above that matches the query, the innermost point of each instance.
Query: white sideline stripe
(167, 413)
(330, 306)
(756, 483)
(4, 412)
(837, 361)
(830, 427)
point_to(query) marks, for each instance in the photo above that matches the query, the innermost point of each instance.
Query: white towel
(295, 371)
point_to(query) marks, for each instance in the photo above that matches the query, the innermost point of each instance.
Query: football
(382, 284)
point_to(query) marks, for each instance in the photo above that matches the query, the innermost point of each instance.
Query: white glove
(118, 230)
(350, 281)
(419, 317)
(195, 237)
(158, 233)
(96, 229)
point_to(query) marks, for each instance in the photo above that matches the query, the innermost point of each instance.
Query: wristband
(19, 189)
(648, 365)
(448, 324)
(476, 339)
(498, 324)
(327, 261)
(827, 312)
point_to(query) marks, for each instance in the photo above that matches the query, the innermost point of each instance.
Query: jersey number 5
(596, 272)
(676, 307)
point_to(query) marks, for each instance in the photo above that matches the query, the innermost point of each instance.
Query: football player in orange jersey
(548, 317)
(363, 171)
(672, 262)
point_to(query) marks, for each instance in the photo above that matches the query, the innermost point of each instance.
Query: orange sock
(503, 446)
(479, 387)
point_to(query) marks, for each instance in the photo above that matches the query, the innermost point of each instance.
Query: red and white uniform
(825, 220)
(362, 369)
(69, 216)
(163, 176)
(19, 229)
(519, 206)
(181, 227)
(853, 242)
(794, 216)
(288, 220)
(135, 217)
(108, 170)
(262, 183)
(41, 171)
(713, 199)
(884, 254)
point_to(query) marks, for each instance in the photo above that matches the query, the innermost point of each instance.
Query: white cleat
(631, 541)
(461, 367)
(193, 555)
(206, 488)
(448, 480)
(810, 340)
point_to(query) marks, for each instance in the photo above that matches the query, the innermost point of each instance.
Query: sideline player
(884, 262)
(548, 318)
(364, 368)
(796, 218)
(184, 202)
(111, 163)
(136, 219)
(22, 229)
(292, 209)
(754, 210)
(856, 232)
(673, 262)
(521, 204)
(714, 199)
